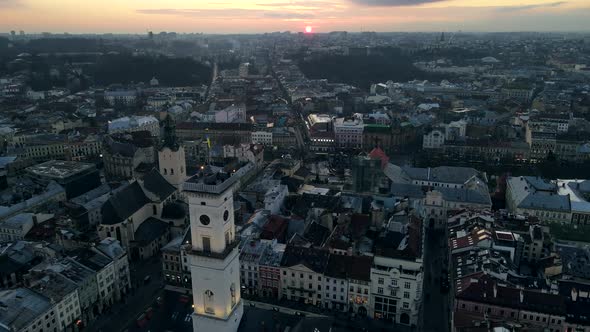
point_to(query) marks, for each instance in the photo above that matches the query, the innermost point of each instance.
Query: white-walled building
(16, 227)
(122, 97)
(244, 152)
(213, 255)
(435, 139)
(302, 275)
(274, 198)
(26, 310)
(122, 279)
(348, 132)
(456, 130)
(534, 196)
(397, 275)
(64, 295)
(262, 137)
(135, 123)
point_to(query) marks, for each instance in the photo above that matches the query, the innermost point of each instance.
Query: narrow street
(435, 304)
(142, 295)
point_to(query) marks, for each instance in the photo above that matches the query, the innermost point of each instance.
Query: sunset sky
(251, 16)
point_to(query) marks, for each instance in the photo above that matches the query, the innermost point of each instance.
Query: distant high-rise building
(21, 33)
(151, 35)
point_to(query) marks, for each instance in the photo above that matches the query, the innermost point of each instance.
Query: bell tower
(171, 158)
(213, 255)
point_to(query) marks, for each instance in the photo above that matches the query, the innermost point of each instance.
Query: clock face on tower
(204, 219)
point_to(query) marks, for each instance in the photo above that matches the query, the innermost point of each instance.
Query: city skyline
(251, 16)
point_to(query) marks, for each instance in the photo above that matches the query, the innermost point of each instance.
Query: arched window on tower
(181, 169)
(209, 301)
(165, 171)
(172, 171)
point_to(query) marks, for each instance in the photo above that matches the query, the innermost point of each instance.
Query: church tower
(213, 254)
(171, 158)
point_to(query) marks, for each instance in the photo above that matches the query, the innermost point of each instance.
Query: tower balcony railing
(217, 188)
(212, 254)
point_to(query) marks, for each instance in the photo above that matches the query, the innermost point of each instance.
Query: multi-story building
(486, 300)
(250, 256)
(284, 137)
(346, 283)
(302, 272)
(348, 132)
(23, 310)
(244, 152)
(578, 192)
(262, 137)
(172, 264)
(113, 249)
(16, 227)
(104, 268)
(359, 284)
(269, 270)
(533, 196)
(83, 277)
(120, 97)
(76, 178)
(63, 293)
(123, 154)
(135, 123)
(434, 139)
(397, 275)
(43, 147)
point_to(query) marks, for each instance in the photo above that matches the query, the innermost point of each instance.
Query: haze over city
(256, 16)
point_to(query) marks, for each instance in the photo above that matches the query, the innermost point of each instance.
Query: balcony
(217, 255)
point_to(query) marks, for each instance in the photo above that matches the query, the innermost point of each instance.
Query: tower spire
(170, 139)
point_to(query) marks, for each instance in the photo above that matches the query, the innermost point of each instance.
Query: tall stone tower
(171, 156)
(213, 255)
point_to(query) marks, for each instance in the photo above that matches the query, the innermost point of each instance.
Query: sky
(256, 16)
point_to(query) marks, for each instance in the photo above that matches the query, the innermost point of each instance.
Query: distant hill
(361, 71)
(124, 68)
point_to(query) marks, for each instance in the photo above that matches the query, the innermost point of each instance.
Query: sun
(308, 29)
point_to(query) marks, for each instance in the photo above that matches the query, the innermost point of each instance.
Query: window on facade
(379, 290)
(407, 285)
(380, 281)
(206, 244)
(406, 295)
(209, 302)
